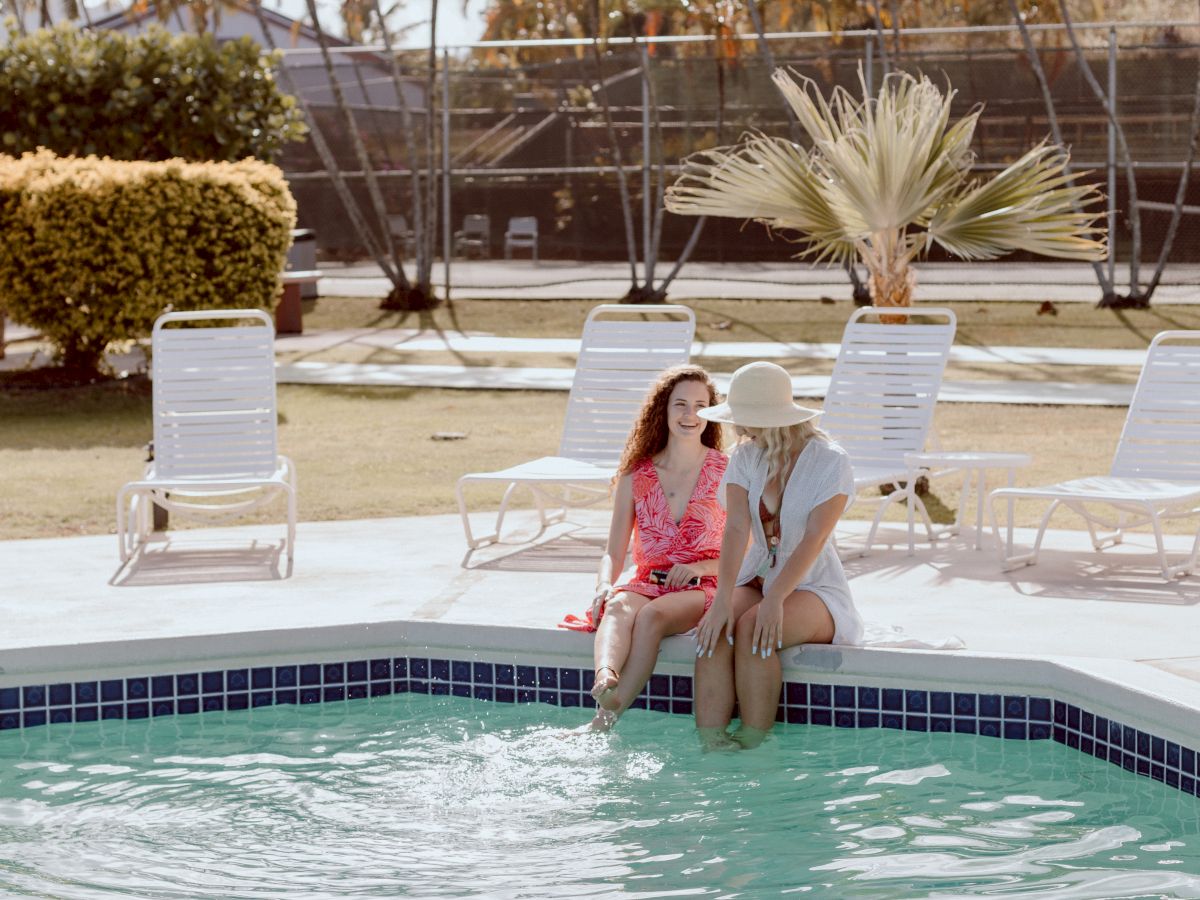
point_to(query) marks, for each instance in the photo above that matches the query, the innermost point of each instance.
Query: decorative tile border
(1009, 716)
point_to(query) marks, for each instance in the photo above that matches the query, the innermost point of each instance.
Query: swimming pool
(449, 796)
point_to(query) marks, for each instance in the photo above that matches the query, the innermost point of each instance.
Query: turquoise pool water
(425, 796)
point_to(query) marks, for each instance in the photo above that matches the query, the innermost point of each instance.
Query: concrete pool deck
(1102, 629)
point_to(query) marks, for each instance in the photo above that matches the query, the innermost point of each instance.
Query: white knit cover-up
(822, 471)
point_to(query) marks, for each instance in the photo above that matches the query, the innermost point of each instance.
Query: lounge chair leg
(473, 542)
(504, 508)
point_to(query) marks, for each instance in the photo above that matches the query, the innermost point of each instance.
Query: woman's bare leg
(613, 640)
(714, 686)
(806, 620)
(669, 614)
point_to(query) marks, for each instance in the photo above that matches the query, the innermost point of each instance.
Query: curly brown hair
(649, 434)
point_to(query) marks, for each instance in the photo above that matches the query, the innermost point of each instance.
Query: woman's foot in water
(716, 739)
(604, 720)
(604, 689)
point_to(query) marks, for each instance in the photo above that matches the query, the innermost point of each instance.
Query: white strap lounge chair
(1155, 472)
(881, 400)
(623, 350)
(214, 425)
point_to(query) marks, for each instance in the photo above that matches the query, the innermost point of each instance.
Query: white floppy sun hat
(760, 396)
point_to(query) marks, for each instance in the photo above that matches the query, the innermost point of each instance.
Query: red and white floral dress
(661, 542)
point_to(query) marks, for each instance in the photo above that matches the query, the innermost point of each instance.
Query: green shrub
(92, 250)
(149, 96)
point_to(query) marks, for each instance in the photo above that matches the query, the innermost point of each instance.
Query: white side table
(975, 467)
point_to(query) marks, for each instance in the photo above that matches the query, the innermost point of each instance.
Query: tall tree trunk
(425, 260)
(1035, 63)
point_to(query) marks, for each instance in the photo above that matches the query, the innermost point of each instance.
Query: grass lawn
(369, 452)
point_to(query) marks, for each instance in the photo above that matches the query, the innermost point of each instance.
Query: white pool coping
(1096, 630)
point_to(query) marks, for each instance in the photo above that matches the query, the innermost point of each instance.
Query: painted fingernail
(754, 648)
(710, 653)
(780, 645)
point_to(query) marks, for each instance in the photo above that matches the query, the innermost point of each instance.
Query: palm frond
(1032, 205)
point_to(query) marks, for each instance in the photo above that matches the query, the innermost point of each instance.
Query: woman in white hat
(780, 582)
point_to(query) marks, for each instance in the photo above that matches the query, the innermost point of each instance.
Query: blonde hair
(784, 444)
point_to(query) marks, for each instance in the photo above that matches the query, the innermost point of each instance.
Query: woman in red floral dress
(666, 491)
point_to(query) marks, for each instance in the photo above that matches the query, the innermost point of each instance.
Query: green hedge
(93, 250)
(152, 96)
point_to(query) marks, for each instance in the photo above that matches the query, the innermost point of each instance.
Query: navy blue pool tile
(357, 670)
(551, 697)
(660, 704)
(1073, 740)
(660, 685)
(112, 711)
(1018, 731)
(1073, 717)
(941, 703)
(334, 693)
(287, 697)
(570, 679)
(1060, 713)
(418, 668)
(483, 673)
(681, 707)
(483, 692)
(1115, 755)
(1114, 733)
(868, 720)
(795, 693)
(139, 710)
(1187, 784)
(505, 695)
(1059, 733)
(162, 686)
(1040, 709)
(1158, 772)
(547, 677)
(989, 706)
(237, 680)
(237, 701)
(1085, 743)
(400, 667)
(965, 724)
(780, 713)
(587, 679)
(187, 706)
(843, 696)
(526, 676)
(137, 688)
(187, 685)
(262, 678)
(529, 695)
(418, 686)
(358, 690)
(439, 670)
(456, 688)
(1172, 754)
(589, 701)
(1187, 760)
(162, 708)
(1128, 738)
(638, 703)
(893, 700)
(333, 673)
(795, 715)
(287, 676)
(60, 695)
(1100, 729)
(1172, 778)
(845, 718)
(33, 695)
(1087, 722)
(820, 695)
(400, 686)
(60, 715)
(310, 695)
(868, 698)
(1143, 766)
(574, 700)
(964, 704)
(1040, 731)
(85, 714)
(460, 670)
(1142, 744)
(1158, 749)
(989, 728)
(820, 716)
(214, 703)
(10, 698)
(916, 723)
(381, 670)
(212, 682)
(892, 720)
(916, 701)
(380, 688)
(940, 724)
(1015, 708)
(506, 674)
(32, 718)
(112, 691)
(9, 720)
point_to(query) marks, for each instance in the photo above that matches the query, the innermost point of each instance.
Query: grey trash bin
(302, 257)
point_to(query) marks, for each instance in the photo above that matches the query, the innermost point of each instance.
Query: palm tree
(885, 179)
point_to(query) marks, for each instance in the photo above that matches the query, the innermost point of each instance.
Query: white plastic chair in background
(214, 413)
(522, 233)
(881, 400)
(1155, 473)
(621, 355)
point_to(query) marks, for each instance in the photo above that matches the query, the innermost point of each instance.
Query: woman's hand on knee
(718, 618)
(768, 628)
